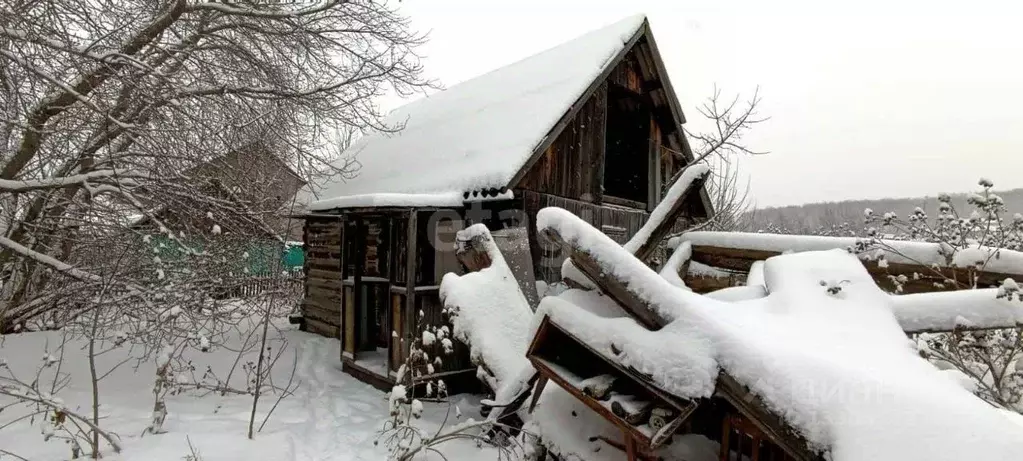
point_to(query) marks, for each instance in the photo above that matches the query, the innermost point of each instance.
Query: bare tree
(991, 360)
(110, 107)
(722, 144)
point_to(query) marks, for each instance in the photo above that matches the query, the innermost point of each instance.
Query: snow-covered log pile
(913, 264)
(810, 347)
(823, 351)
(919, 264)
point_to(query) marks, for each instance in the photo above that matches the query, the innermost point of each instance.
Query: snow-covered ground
(331, 416)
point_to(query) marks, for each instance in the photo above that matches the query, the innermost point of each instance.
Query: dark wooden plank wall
(572, 166)
(321, 305)
(627, 74)
(618, 222)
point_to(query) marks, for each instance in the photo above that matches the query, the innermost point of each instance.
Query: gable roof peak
(479, 133)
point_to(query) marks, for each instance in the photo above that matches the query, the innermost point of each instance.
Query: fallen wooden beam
(963, 310)
(918, 277)
(664, 216)
(751, 405)
(635, 304)
(703, 284)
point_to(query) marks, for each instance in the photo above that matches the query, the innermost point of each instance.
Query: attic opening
(627, 148)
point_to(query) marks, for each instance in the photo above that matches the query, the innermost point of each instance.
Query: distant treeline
(814, 216)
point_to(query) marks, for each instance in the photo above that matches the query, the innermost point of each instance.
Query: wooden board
(634, 303)
(571, 166)
(773, 426)
(348, 323)
(398, 345)
(740, 260)
(322, 328)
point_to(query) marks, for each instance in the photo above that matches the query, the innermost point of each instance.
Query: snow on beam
(647, 297)
(957, 310)
(678, 265)
(664, 216)
(489, 312)
(589, 264)
(924, 263)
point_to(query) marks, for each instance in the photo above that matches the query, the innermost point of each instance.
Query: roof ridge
(639, 18)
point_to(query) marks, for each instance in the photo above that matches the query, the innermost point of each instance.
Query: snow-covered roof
(480, 133)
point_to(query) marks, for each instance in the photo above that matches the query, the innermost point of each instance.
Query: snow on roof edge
(444, 199)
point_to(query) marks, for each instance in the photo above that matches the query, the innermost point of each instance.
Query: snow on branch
(50, 261)
(13, 185)
(233, 10)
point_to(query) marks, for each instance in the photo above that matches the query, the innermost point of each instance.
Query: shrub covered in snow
(968, 239)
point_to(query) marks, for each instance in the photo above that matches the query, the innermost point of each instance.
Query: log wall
(321, 304)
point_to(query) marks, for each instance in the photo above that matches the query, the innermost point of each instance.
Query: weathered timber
(633, 410)
(727, 386)
(329, 247)
(921, 278)
(407, 318)
(544, 367)
(334, 285)
(632, 302)
(322, 328)
(472, 252)
(598, 387)
(333, 230)
(774, 427)
(513, 243)
(324, 293)
(330, 317)
(570, 115)
(703, 284)
(324, 274)
(549, 333)
(665, 431)
(324, 263)
(541, 383)
(675, 210)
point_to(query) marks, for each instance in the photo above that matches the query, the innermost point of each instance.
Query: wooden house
(592, 126)
(248, 191)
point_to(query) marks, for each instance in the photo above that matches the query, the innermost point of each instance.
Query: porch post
(410, 279)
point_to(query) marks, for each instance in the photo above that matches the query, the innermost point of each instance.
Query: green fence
(253, 257)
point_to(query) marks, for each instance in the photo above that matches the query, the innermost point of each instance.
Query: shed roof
(479, 134)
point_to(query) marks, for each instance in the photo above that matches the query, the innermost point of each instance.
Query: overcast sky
(868, 99)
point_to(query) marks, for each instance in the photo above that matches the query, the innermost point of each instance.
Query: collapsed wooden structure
(746, 428)
(377, 248)
(733, 255)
